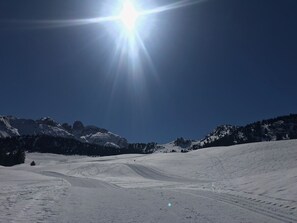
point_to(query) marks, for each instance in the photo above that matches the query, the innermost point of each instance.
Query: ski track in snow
(244, 183)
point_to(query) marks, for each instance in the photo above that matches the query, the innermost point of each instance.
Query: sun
(128, 16)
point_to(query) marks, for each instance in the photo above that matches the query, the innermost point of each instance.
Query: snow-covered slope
(253, 182)
(173, 147)
(12, 126)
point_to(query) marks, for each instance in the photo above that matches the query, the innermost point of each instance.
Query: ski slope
(244, 183)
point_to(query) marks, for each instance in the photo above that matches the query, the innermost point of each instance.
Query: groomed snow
(244, 183)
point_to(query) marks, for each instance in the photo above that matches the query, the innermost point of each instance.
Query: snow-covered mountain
(218, 133)
(11, 126)
(280, 128)
(283, 127)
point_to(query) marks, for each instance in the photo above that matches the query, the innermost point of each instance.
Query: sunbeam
(172, 6)
(60, 23)
(128, 16)
(129, 20)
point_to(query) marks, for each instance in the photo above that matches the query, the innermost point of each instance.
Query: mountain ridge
(11, 126)
(273, 129)
(279, 128)
(48, 136)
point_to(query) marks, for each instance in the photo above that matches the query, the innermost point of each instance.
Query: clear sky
(216, 62)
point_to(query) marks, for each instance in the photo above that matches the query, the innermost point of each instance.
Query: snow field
(243, 183)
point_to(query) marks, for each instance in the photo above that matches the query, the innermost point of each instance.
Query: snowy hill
(11, 126)
(254, 182)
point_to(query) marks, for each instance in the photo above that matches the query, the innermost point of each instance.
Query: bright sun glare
(129, 21)
(129, 16)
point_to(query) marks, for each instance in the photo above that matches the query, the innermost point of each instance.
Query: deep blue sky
(218, 62)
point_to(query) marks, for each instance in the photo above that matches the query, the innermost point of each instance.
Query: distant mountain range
(48, 136)
(280, 128)
(11, 127)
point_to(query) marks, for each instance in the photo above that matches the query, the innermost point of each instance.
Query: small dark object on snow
(33, 163)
